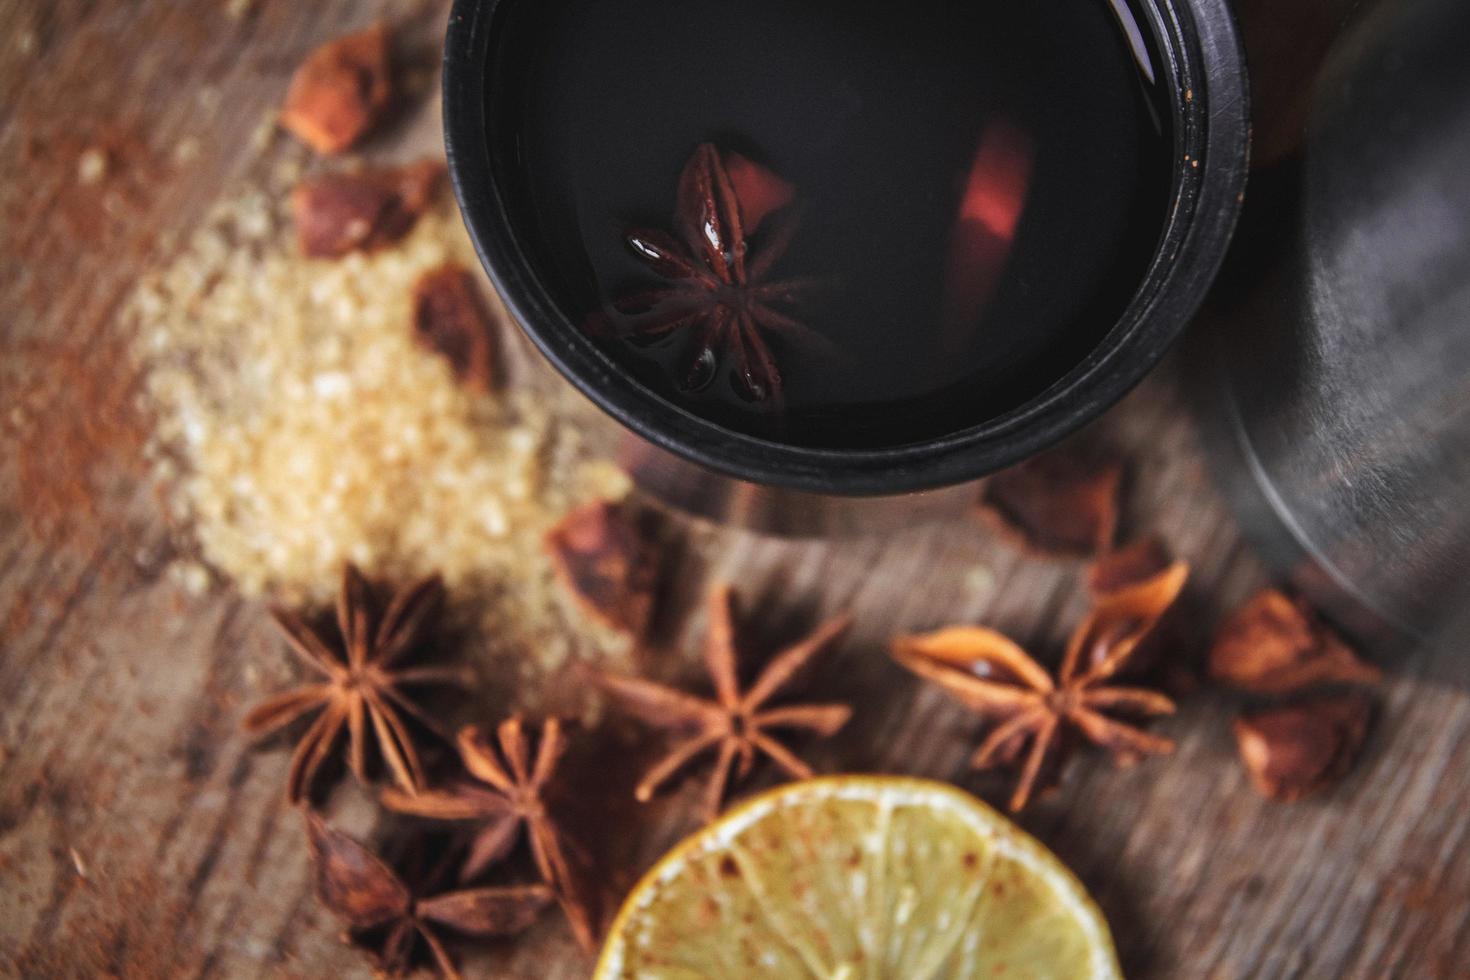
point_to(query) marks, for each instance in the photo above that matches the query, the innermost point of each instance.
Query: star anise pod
(510, 796)
(362, 683)
(717, 290)
(1033, 714)
(377, 905)
(736, 726)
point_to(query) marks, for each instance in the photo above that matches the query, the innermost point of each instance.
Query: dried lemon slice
(859, 878)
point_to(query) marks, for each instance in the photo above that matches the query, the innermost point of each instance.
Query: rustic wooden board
(140, 835)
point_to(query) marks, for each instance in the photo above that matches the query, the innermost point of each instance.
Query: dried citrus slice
(859, 878)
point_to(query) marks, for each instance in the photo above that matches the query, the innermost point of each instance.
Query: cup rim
(1205, 66)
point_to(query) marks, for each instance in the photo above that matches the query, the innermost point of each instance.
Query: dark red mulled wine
(836, 223)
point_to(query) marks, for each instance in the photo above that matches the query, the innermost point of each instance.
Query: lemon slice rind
(1003, 839)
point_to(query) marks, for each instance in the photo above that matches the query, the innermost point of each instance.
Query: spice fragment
(341, 91)
(1299, 749)
(603, 561)
(1274, 645)
(450, 318)
(347, 212)
(1058, 503)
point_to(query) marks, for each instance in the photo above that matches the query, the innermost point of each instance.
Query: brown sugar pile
(301, 426)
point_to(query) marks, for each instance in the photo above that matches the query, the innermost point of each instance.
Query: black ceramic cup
(693, 461)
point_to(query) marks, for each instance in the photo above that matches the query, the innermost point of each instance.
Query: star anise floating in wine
(362, 683)
(383, 913)
(736, 726)
(1035, 715)
(717, 288)
(509, 797)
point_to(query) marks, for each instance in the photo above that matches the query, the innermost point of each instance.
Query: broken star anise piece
(376, 904)
(1058, 503)
(451, 319)
(510, 796)
(1298, 749)
(362, 683)
(717, 291)
(1033, 714)
(606, 564)
(1273, 645)
(736, 726)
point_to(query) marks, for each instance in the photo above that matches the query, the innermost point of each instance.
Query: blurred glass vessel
(1337, 342)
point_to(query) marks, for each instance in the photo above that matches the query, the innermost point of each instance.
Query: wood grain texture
(141, 835)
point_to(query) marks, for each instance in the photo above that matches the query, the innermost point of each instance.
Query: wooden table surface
(141, 835)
